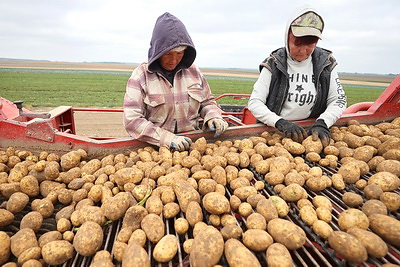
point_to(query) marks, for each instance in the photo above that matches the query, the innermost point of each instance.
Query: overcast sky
(364, 35)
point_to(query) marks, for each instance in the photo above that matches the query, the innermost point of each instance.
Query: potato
(322, 201)
(57, 252)
(231, 231)
(133, 217)
(135, 255)
(88, 239)
(280, 164)
(293, 192)
(166, 248)
(375, 246)
(153, 226)
(372, 191)
(322, 228)
(245, 209)
(33, 253)
(274, 178)
(194, 213)
(280, 205)
(44, 206)
(115, 207)
(238, 255)
(5, 247)
(352, 218)
(207, 248)
(131, 174)
(254, 199)
(257, 239)
(364, 153)
(30, 186)
(312, 146)
(48, 237)
(138, 236)
(216, 203)
(324, 214)
(267, 209)
(170, 210)
(278, 255)
(22, 240)
(219, 175)
(181, 226)
(386, 227)
(391, 200)
(386, 180)
(256, 221)
(17, 202)
(350, 172)
(316, 184)
(352, 199)
(287, 233)
(239, 182)
(185, 193)
(206, 186)
(348, 246)
(308, 215)
(32, 220)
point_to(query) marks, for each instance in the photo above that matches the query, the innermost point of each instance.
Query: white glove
(180, 143)
(218, 125)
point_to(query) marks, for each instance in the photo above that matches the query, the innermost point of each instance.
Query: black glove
(291, 130)
(321, 131)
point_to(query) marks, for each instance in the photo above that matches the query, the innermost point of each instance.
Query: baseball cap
(309, 23)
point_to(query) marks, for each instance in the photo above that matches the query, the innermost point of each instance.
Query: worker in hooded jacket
(168, 94)
(299, 81)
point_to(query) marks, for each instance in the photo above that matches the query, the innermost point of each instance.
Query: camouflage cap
(309, 23)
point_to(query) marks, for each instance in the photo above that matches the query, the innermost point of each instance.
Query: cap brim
(300, 31)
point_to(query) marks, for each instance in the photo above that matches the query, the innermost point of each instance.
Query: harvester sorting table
(55, 132)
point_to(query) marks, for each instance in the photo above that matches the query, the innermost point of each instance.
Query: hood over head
(304, 21)
(169, 33)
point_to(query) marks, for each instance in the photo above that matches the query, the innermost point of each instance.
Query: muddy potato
(231, 231)
(88, 239)
(254, 199)
(256, 221)
(281, 206)
(322, 228)
(22, 240)
(5, 247)
(387, 227)
(238, 255)
(352, 199)
(123, 235)
(207, 248)
(266, 208)
(219, 175)
(308, 214)
(316, 184)
(153, 226)
(386, 180)
(170, 210)
(244, 192)
(293, 192)
(135, 255)
(206, 186)
(57, 252)
(322, 201)
(154, 205)
(372, 191)
(337, 181)
(389, 165)
(280, 164)
(29, 185)
(17, 202)
(324, 214)
(239, 182)
(274, 178)
(352, 218)
(257, 239)
(32, 220)
(245, 209)
(350, 172)
(348, 246)
(287, 233)
(48, 237)
(185, 193)
(194, 213)
(373, 163)
(33, 253)
(133, 217)
(181, 226)
(165, 250)
(216, 203)
(234, 202)
(138, 236)
(391, 200)
(278, 255)
(312, 146)
(375, 246)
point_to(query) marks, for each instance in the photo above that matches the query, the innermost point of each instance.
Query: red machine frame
(21, 129)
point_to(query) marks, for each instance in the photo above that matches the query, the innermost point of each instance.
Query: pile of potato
(147, 186)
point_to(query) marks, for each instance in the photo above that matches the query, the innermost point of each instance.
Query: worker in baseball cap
(168, 94)
(299, 81)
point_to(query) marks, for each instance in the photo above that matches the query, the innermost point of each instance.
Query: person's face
(299, 50)
(171, 59)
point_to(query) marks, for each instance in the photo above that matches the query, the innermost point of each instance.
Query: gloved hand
(218, 125)
(320, 130)
(291, 130)
(180, 143)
